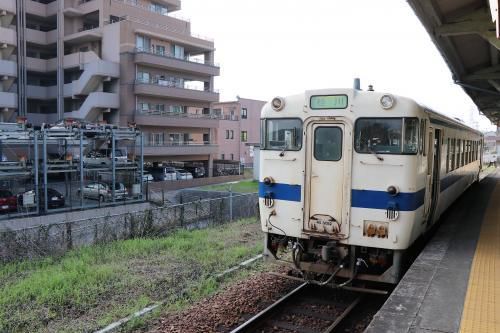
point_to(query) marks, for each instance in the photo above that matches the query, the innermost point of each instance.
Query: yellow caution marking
(481, 312)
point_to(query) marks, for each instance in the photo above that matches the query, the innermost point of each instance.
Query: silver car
(103, 192)
(183, 174)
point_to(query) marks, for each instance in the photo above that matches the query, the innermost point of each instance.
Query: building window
(156, 139)
(227, 134)
(222, 156)
(177, 51)
(176, 109)
(160, 50)
(232, 157)
(244, 113)
(232, 134)
(143, 77)
(143, 43)
(244, 136)
(143, 107)
(160, 107)
(156, 8)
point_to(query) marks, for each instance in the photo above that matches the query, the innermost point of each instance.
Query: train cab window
(386, 135)
(328, 143)
(282, 134)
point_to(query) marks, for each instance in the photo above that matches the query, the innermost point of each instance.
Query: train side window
(453, 147)
(410, 143)
(463, 152)
(473, 151)
(448, 156)
(421, 138)
(467, 157)
(477, 150)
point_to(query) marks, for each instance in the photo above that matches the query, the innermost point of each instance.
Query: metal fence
(55, 239)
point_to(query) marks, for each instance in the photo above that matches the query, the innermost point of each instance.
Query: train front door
(326, 160)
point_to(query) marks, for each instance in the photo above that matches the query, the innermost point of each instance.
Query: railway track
(306, 309)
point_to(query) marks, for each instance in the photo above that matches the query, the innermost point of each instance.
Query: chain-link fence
(55, 239)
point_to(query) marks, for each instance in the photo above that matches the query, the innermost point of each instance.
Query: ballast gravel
(228, 308)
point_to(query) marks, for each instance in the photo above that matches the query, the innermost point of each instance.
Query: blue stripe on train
(409, 201)
(382, 200)
(281, 191)
(360, 198)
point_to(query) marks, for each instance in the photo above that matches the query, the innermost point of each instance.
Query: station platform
(454, 284)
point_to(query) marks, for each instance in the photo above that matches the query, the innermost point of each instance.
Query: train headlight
(278, 103)
(387, 101)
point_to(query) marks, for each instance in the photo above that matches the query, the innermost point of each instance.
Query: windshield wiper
(380, 158)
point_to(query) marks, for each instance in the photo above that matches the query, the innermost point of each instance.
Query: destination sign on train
(329, 102)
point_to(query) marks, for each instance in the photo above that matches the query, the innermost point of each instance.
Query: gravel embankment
(228, 308)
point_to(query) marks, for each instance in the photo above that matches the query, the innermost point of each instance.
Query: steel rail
(342, 316)
(268, 310)
(265, 317)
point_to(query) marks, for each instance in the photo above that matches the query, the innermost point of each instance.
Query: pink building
(239, 129)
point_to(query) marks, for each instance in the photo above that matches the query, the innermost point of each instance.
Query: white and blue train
(350, 179)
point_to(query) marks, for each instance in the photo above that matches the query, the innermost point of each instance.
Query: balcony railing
(163, 113)
(172, 84)
(230, 117)
(161, 27)
(88, 27)
(169, 56)
(150, 8)
(179, 144)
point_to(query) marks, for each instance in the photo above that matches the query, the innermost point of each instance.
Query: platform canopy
(466, 32)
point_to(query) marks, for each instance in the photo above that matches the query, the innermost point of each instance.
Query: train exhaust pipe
(357, 84)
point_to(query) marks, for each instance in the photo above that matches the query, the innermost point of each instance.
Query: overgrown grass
(93, 286)
(243, 186)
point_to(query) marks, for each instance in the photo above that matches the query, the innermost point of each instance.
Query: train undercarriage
(318, 258)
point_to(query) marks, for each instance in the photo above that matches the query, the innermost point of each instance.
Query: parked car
(102, 157)
(163, 173)
(8, 202)
(183, 174)
(103, 192)
(147, 177)
(196, 171)
(54, 198)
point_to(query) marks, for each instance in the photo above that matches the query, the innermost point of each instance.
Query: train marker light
(278, 103)
(268, 181)
(393, 190)
(387, 101)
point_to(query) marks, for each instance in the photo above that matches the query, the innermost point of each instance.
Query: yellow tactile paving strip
(481, 312)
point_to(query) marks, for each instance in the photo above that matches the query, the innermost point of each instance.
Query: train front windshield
(386, 135)
(281, 134)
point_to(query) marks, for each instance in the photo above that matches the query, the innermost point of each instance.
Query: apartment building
(116, 61)
(239, 130)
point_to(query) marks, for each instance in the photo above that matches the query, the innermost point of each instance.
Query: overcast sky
(282, 47)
